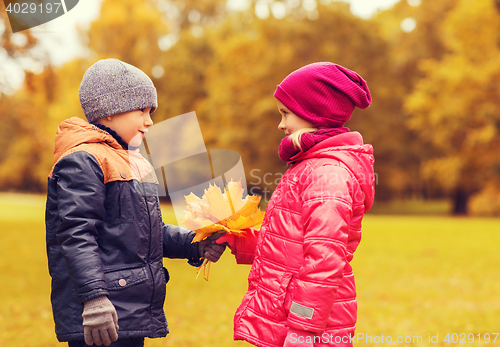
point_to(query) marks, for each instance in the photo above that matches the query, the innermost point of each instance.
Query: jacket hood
(349, 149)
(75, 131)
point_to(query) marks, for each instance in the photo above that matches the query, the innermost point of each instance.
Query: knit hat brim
(132, 99)
(318, 122)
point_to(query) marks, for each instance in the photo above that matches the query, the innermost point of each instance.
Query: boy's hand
(209, 248)
(100, 322)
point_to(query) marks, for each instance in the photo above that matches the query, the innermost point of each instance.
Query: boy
(105, 235)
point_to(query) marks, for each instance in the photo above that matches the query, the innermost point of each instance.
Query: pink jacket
(301, 277)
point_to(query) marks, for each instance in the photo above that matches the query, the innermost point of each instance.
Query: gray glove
(100, 322)
(210, 249)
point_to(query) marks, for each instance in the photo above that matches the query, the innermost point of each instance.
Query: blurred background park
(428, 262)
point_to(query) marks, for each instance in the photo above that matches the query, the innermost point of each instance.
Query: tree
(455, 105)
(26, 147)
(18, 50)
(399, 149)
(128, 30)
(229, 74)
(184, 14)
(23, 138)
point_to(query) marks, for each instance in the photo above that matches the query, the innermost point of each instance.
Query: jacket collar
(350, 150)
(116, 137)
(76, 131)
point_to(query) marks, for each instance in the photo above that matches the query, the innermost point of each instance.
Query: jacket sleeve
(244, 246)
(326, 214)
(80, 201)
(177, 244)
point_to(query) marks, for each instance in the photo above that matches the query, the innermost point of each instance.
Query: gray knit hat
(111, 86)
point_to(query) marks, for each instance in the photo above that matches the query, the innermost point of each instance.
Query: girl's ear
(109, 118)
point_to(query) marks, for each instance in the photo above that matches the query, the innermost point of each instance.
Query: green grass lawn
(416, 275)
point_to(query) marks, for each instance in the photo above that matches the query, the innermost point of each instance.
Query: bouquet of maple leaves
(219, 210)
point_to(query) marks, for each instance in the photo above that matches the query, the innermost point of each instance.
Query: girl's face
(290, 122)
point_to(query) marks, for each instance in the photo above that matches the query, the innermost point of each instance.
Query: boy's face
(131, 126)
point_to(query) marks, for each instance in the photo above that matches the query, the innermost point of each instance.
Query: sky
(59, 36)
(366, 8)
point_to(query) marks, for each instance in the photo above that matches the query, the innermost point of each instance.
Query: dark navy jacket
(105, 234)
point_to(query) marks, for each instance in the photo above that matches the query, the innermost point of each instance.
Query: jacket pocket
(122, 279)
(287, 300)
(285, 280)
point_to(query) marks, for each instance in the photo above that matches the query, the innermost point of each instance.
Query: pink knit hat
(324, 94)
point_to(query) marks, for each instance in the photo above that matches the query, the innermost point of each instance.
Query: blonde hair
(296, 136)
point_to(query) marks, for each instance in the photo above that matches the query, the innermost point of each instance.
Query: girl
(301, 288)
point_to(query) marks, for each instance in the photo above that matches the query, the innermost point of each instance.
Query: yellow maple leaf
(234, 195)
(191, 198)
(217, 206)
(238, 225)
(250, 207)
(208, 230)
(221, 211)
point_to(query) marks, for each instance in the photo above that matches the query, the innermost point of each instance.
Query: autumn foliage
(227, 211)
(434, 121)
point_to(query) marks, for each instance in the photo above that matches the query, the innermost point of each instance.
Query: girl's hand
(242, 245)
(227, 240)
(299, 338)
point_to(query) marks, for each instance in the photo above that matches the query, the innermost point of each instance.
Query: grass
(421, 275)
(416, 275)
(418, 207)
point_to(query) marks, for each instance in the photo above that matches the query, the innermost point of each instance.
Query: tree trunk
(460, 202)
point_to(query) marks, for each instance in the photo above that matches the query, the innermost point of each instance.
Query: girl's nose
(148, 121)
(281, 126)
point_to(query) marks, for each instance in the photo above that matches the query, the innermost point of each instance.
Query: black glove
(210, 249)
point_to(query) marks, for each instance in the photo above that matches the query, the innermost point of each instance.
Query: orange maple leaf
(221, 211)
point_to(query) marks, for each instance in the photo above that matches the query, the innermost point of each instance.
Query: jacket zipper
(148, 258)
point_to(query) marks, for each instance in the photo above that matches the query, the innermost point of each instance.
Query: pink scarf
(288, 152)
